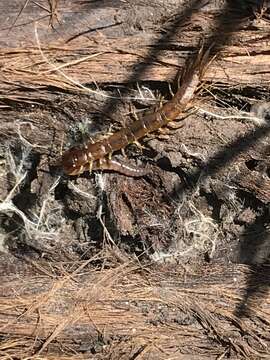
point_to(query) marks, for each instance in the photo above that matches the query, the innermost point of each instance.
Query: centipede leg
(170, 90)
(123, 152)
(90, 166)
(178, 123)
(174, 126)
(140, 146)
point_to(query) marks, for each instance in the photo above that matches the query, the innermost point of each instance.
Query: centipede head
(74, 161)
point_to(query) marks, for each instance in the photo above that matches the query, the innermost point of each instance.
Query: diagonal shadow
(231, 18)
(183, 15)
(258, 282)
(226, 156)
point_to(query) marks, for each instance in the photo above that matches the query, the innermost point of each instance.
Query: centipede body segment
(97, 155)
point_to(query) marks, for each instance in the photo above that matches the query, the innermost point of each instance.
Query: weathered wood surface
(136, 41)
(131, 311)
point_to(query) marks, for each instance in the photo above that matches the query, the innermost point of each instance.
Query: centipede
(98, 155)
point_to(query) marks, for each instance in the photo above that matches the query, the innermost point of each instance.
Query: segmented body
(93, 156)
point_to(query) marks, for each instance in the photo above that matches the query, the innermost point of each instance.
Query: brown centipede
(97, 155)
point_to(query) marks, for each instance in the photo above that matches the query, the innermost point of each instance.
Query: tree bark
(104, 43)
(127, 311)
